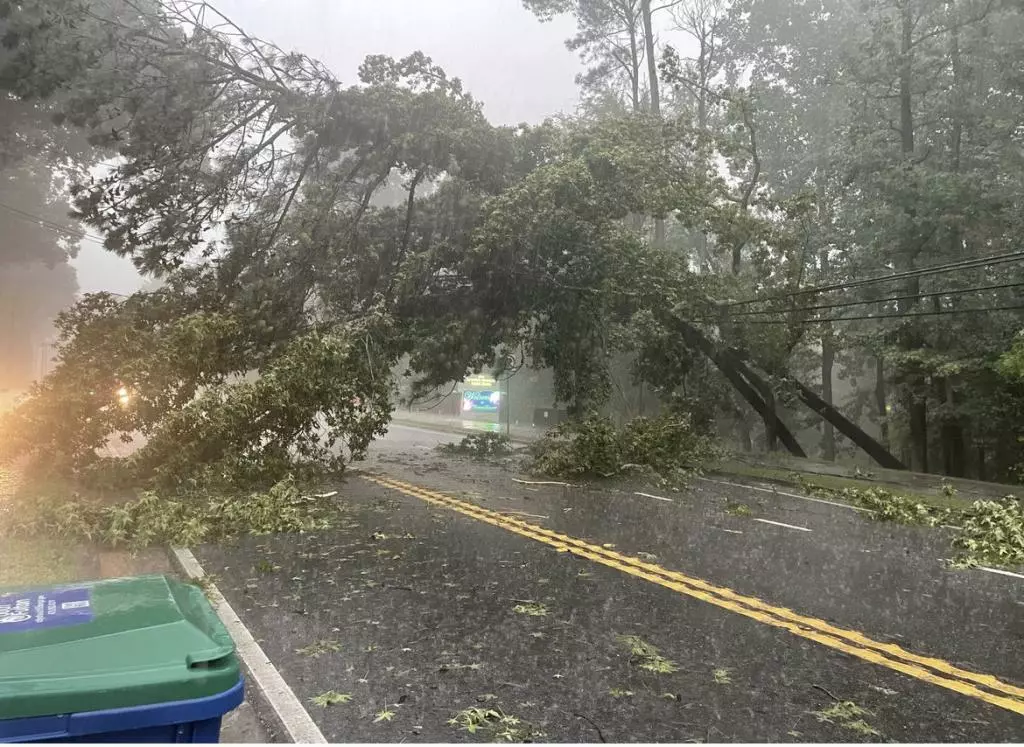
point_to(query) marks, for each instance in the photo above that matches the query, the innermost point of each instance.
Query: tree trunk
(913, 389)
(881, 406)
(743, 431)
(735, 368)
(652, 75)
(843, 424)
(739, 375)
(828, 356)
(634, 72)
(771, 422)
(952, 433)
(848, 428)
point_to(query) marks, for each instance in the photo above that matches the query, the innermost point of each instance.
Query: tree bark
(655, 93)
(952, 432)
(913, 394)
(739, 376)
(848, 428)
(634, 73)
(843, 424)
(828, 356)
(881, 405)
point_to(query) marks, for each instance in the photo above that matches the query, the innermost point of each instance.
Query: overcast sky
(518, 67)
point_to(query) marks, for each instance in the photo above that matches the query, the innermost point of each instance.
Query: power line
(912, 296)
(922, 272)
(53, 226)
(942, 312)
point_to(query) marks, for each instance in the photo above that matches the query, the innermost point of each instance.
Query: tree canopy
(801, 153)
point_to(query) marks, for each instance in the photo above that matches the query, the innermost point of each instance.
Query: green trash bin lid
(110, 644)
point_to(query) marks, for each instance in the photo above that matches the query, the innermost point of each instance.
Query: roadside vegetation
(988, 532)
(668, 447)
(153, 520)
(479, 446)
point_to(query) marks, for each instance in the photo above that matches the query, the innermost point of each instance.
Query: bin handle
(214, 659)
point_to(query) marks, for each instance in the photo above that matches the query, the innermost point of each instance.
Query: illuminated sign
(480, 401)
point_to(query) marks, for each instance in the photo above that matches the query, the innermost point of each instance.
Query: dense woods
(756, 201)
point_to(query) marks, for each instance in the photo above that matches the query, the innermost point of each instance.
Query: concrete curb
(271, 695)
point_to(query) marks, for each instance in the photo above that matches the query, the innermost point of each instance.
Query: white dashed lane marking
(780, 524)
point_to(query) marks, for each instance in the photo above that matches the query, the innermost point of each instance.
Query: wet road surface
(442, 589)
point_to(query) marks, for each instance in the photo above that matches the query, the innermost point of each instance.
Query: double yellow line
(984, 687)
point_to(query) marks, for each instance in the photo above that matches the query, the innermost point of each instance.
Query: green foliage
(532, 609)
(496, 724)
(269, 355)
(647, 656)
(579, 448)
(992, 533)
(988, 532)
(595, 447)
(850, 716)
(331, 697)
(886, 506)
(479, 446)
(202, 423)
(319, 648)
(152, 520)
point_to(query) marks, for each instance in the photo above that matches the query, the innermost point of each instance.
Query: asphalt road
(449, 586)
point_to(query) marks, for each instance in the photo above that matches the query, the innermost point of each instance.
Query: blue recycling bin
(127, 660)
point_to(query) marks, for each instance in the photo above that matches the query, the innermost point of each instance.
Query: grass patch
(28, 561)
(496, 724)
(836, 484)
(646, 656)
(385, 714)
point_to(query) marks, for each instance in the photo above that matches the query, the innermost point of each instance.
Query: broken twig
(597, 728)
(827, 692)
(541, 482)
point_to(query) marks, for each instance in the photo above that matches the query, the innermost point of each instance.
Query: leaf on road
(319, 648)
(331, 697)
(533, 609)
